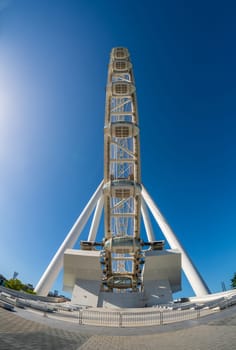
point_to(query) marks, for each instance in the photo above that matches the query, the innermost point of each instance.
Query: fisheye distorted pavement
(36, 332)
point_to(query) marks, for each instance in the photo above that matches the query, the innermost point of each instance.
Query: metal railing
(140, 318)
(154, 316)
(147, 317)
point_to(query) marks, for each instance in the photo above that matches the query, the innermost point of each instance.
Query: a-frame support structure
(126, 265)
(96, 202)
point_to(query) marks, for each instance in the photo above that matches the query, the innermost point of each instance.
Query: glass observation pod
(120, 53)
(121, 66)
(122, 245)
(122, 188)
(122, 88)
(122, 129)
(121, 282)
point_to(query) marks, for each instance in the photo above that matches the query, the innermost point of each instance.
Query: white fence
(150, 316)
(154, 316)
(130, 318)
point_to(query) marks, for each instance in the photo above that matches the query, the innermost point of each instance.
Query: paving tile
(37, 333)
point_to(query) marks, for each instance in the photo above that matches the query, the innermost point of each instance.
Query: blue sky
(53, 71)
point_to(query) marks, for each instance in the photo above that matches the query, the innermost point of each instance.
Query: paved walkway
(31, 331)
(19, 333)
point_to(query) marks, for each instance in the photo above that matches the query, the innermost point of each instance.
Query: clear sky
(53, 71)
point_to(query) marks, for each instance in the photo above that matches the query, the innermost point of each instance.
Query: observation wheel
(122, 254)
(122, 258)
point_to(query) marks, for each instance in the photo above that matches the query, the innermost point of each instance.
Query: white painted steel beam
(96, 219)
(48, 278)
(147, 222)
(196, 281)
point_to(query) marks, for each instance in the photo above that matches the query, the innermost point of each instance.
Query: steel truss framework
(123, 197)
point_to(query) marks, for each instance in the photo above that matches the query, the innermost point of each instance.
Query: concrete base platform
(82, 277)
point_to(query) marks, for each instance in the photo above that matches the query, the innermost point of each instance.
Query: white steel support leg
(197, 283)
(147, 222)
(96, 219)
(45, 283)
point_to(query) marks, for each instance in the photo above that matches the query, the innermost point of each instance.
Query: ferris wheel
(127, 262)
(122, 182)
